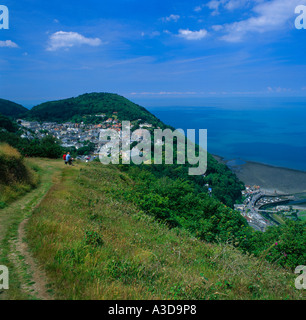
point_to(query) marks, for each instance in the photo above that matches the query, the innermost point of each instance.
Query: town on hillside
(78, 135)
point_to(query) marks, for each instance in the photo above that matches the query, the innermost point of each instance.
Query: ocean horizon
(271, 131)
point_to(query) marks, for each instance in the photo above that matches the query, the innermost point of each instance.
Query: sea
(269, 130)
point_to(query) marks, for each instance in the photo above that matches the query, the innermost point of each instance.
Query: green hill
(91, 104)
(12, 109)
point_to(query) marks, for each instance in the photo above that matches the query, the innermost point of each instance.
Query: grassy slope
(95, 246)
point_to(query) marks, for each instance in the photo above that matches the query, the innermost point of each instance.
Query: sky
(152, 52)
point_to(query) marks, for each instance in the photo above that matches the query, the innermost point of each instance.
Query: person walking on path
(69, 159)
(64, 158)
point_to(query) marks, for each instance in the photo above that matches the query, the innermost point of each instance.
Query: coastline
(270, 178)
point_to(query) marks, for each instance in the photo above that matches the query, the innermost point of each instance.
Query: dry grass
(16, 175)
(8, 151)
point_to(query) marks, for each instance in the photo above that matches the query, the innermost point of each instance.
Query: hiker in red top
(64, 158)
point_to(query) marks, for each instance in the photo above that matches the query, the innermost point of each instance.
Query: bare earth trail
(26, 279)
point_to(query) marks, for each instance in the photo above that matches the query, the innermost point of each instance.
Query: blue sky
(151, 51)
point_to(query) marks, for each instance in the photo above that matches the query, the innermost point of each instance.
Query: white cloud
(192, 35)
(8, 44)
(198, 8)
(62, 39)
(217, 27)
(214, 5)
(172, 17)
(228, 4)
(151, 35)
(164, 93)
(155, 34)
(269, 16)
(236, 4)
(278, 90)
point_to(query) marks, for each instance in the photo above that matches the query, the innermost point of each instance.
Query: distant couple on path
(67, 158)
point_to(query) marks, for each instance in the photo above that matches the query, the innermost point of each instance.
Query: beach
(269, 178)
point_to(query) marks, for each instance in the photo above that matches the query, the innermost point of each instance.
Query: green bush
(47, 147)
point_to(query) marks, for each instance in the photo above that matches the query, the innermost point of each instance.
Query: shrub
(16, 177)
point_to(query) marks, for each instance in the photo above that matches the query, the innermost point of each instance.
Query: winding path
(29, 279)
